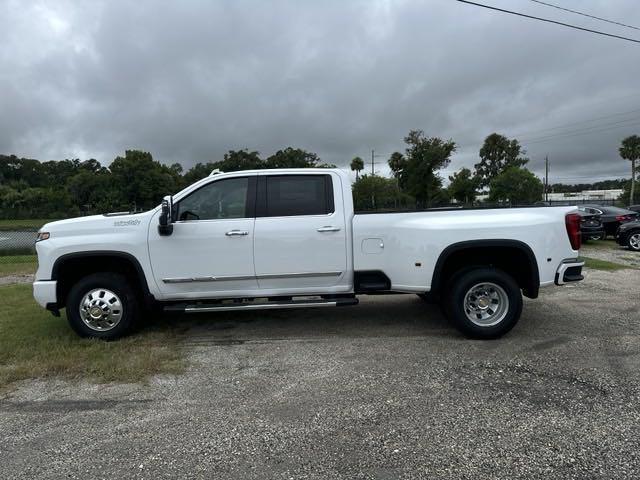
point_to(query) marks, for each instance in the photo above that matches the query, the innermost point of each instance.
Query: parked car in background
(611, 217)
(591, 226)
(628, 235)
(635, 208)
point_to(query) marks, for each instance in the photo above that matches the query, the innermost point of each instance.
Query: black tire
(497, 284)
(118, 286)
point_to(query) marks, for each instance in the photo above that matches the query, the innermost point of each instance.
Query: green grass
(18, 265)
(35, 223)
(605, 265)
(607, 244)
(34, 344)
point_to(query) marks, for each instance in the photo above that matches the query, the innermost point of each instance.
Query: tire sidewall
(111, 281)
(458, 290)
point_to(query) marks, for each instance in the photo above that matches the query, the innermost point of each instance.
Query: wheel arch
(513, 256)
(69, 268)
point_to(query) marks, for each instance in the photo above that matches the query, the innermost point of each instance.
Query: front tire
(102, 305)
(484, 303)
(633, 242)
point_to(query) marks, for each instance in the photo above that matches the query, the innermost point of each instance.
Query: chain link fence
(17, 251)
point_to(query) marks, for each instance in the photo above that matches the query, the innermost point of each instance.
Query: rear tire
(102, 305)
(483, 303)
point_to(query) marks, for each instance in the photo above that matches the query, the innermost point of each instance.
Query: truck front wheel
(102, 305)
(484, 303)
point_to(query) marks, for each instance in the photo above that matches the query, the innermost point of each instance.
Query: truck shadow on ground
(375, 316)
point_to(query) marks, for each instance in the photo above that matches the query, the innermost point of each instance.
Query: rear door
(300, 232)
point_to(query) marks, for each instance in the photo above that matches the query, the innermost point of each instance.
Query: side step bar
(226, 307)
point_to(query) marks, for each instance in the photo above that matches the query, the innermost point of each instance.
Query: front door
(210, 252)
(300, 237)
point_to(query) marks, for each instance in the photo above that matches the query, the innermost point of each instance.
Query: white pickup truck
(288, 239)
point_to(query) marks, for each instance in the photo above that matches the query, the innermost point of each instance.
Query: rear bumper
(569, 271)
(590, 232)
(44, 291)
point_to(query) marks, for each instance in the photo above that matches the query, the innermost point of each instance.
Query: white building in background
(587, 195)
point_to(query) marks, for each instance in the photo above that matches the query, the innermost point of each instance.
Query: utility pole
(373, 155)
(546, 178)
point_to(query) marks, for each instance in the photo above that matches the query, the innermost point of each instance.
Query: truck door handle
(329, 228)
(236, 233)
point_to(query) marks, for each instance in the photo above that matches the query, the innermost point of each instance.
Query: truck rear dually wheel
(102, 305)
(483, 303)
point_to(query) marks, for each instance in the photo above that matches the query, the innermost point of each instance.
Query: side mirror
(165, 219)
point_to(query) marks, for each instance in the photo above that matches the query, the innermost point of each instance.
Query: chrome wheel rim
(101, 310)
(634, 241)
(486, 304)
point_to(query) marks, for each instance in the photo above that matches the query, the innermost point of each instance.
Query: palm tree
(357, 164)
(630, 150)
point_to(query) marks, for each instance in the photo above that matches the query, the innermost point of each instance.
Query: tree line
(417, 183)
(58, 189)
(501, 173)
(61, 189)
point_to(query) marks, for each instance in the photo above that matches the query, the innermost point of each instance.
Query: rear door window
(294, 195)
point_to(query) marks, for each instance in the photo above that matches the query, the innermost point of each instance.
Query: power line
(531, 142)
(584, 14)
(592, 129)
(571, 124)
(550, 21)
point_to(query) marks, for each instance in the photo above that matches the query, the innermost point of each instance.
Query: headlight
(42, 236)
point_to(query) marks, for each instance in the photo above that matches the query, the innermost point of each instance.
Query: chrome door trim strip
(267, 276)
(298, 275)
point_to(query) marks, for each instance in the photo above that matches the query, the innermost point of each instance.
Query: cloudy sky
(190, 80)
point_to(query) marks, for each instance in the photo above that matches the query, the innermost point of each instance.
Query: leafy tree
(516, 185)
(417, 169)
(371, 192)
(357, 165)
(140, 181)
(496, 155)
(292, 158)
(630, 150)
(198, 172)
(463, 186)
(235, 160)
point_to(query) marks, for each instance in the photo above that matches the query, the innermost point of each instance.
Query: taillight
(572, 221)
(624, 218)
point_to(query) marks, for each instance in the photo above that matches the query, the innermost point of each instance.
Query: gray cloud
(191, 80)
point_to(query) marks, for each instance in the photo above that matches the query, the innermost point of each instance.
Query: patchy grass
(33, 224)
(18, 265)
(34, 344)
(609, 243)
(598, 264)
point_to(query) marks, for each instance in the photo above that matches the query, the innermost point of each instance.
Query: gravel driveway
(385, 390)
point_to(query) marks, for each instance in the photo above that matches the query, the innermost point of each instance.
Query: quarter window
(216, 200)
(290, 195)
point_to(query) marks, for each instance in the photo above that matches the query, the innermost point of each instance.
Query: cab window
(220, 199)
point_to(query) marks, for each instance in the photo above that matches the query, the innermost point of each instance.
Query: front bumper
(569, 271)
(44, 291)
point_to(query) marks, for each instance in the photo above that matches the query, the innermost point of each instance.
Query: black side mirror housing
(165, 225)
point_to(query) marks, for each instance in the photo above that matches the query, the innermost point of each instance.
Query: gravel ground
(7, 279)
(384, 390)
(610, 251)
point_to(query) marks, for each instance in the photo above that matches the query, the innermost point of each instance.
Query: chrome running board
(250, 305)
